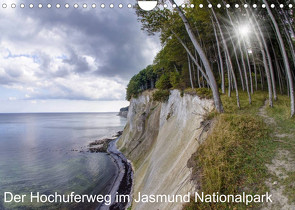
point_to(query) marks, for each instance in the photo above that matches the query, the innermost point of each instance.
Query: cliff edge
(123, 112)
(160, 138)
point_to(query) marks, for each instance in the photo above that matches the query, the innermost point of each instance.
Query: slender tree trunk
(280, 80)
(249, 67)
(175, 68)
(243, 61)
(220, 58)
(191, 56)
(276, 64)
(198, 71)
(194, 73)
(215, 58)
(228, 75)
(282, 75)
(230, 70)
(262, 78)
(269, 83)
(255, 71)
(290, 45)
(269, 62)
(285, 57)
(234, 47)
(291, 28)
(213, 84)
(237, 61)
(245, 71)
(190, 71)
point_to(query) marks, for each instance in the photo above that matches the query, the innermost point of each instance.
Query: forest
(227, 47)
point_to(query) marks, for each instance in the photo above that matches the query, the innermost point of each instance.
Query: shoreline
(124, 180)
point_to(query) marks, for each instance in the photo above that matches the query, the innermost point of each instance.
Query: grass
(230, 103)
(201, 92)
(281, 113)
(233, 157)
(289, 184)
(285, 125)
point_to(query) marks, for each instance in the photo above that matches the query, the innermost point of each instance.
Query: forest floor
(282, 167)
(252, 150)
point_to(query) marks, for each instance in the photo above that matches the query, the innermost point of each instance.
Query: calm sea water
(36, 154)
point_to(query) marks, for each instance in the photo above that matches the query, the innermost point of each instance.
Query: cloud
(76, 54)
(12, 98)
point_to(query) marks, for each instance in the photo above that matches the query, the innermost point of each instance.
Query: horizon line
(54, 112)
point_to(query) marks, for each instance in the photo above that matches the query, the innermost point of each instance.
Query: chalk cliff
(160, 138)
(123, 112)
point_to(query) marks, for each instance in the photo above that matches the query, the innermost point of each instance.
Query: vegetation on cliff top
(241, 49)
(233, 158)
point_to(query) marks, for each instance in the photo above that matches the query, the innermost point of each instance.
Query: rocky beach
(122, 184)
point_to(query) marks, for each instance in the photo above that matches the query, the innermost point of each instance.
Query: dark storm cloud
(111, 35)
(84, 54)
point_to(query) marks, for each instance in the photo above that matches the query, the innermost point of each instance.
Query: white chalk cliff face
(159, 139)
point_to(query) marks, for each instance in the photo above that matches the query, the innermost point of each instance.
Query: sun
(244, 30)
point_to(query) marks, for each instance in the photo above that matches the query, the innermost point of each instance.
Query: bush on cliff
(201, 92)
(161, 95)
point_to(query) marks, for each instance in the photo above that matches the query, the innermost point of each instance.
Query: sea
(47, 153)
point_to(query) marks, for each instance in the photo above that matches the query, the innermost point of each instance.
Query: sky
(70, 60)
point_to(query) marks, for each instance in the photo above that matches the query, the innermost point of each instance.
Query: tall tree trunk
(280, 80)
(237, 61)
(291, 28)
(242, 58)
(249, 67)
(190, 71)
(261, 78)
(262, 49)
(291, 47)
(228, 74)
(191, 55)
(175, 68)
(213, 84)
(255, 70)
(234, 47)
(194, 73)
(269, 61)
(285, 57)
(198, 71)
(231, 70)
(220, 58)
(245, 71)
(243, 62)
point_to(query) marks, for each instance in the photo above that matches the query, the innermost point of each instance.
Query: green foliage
(175, 79)
(132, 88)
(142, 81)
(161, 95)
(164, 82)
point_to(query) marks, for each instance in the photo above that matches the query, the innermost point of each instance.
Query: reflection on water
(36, 153)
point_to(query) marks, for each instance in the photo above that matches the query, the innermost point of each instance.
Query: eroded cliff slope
(159, 139)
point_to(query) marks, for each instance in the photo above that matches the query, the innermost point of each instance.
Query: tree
(285, 57)
(209, 72)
